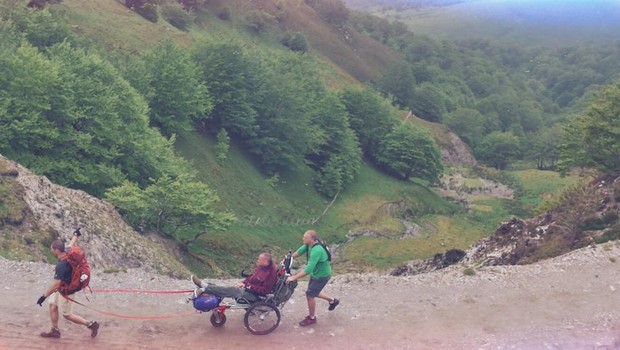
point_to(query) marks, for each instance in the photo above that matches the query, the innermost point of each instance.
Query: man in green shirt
(320, 271)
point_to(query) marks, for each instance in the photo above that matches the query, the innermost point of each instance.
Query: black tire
(218, 319)
(261, 318)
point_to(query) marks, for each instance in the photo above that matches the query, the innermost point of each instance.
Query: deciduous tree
(499, 149)
(179, 95)
(593, 139)
(408, 151)
(176, 207)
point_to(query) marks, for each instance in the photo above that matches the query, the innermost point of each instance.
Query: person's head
(309, 237)
(264, 260)
(58, 247)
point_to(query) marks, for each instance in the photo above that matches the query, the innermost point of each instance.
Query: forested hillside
(229, 127)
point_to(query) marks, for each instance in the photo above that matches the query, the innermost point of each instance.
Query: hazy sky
(577, 11)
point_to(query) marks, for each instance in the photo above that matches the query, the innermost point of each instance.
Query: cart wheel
(218, 319)
(261, 318)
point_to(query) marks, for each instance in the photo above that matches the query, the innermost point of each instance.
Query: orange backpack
(80, 275)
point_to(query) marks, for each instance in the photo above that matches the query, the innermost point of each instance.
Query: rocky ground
(570, 302)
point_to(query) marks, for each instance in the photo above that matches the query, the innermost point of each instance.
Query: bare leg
(54, 315)
(326, 297)
(76, 319)
(311, 306)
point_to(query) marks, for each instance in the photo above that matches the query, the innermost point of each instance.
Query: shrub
(223, 145)
(610, 217)
(149, 12)
(469, 271)
(258, 20)
(41, 3)
(223, 13)
(593, 224)
(177, 16)
(611, 235)
(296, 42)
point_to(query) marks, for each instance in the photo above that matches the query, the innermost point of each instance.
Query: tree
(593, 139)
(179, 95)
(543, 147)
(229, 78)
(428, 102)
(108, 124)
(286, 100)
(398, 81)
(467, 123)
(179, 208)
(408, 151)
(370, 116)
(338, 158)
(28, 82)
(81, 124)
(41, 28)
(498, 149)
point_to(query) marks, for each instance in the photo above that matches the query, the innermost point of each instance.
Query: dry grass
(357, 55)
(115, 27)
(439, 234)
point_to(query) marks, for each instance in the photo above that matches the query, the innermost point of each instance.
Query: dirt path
(571, 302)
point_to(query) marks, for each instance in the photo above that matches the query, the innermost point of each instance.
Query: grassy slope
(114, 27)
(273, 218)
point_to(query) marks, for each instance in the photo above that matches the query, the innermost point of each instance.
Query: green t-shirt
(318, 265)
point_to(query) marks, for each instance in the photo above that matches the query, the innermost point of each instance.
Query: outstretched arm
(73, 240)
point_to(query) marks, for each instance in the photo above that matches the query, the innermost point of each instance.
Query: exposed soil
(570, 302)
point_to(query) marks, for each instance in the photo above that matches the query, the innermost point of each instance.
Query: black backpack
(325, 246)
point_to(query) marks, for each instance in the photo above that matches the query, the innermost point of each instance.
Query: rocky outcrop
(584, 214)
(455, 152)
(439, 261)
(109, 242)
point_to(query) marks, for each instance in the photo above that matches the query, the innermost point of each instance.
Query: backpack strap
(322, 244)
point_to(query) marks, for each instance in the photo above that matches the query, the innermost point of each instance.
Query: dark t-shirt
(63, 272)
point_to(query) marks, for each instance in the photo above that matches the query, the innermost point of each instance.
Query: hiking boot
(53, 333)
(94, 327)
(333, 304)
(307, 321)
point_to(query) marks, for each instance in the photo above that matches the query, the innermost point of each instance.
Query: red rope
(140, 291)
(133, 317)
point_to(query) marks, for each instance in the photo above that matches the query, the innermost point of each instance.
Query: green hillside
(376, 221)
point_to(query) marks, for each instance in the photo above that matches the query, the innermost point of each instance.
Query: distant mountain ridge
(529, 22)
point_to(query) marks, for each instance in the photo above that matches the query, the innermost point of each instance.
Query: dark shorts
(315, 286)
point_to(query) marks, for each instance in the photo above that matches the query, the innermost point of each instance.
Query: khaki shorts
(64, 305)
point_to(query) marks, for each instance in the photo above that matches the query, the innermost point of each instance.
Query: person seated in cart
(259, 283)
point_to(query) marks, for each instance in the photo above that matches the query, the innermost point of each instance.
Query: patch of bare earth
(569, 302)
